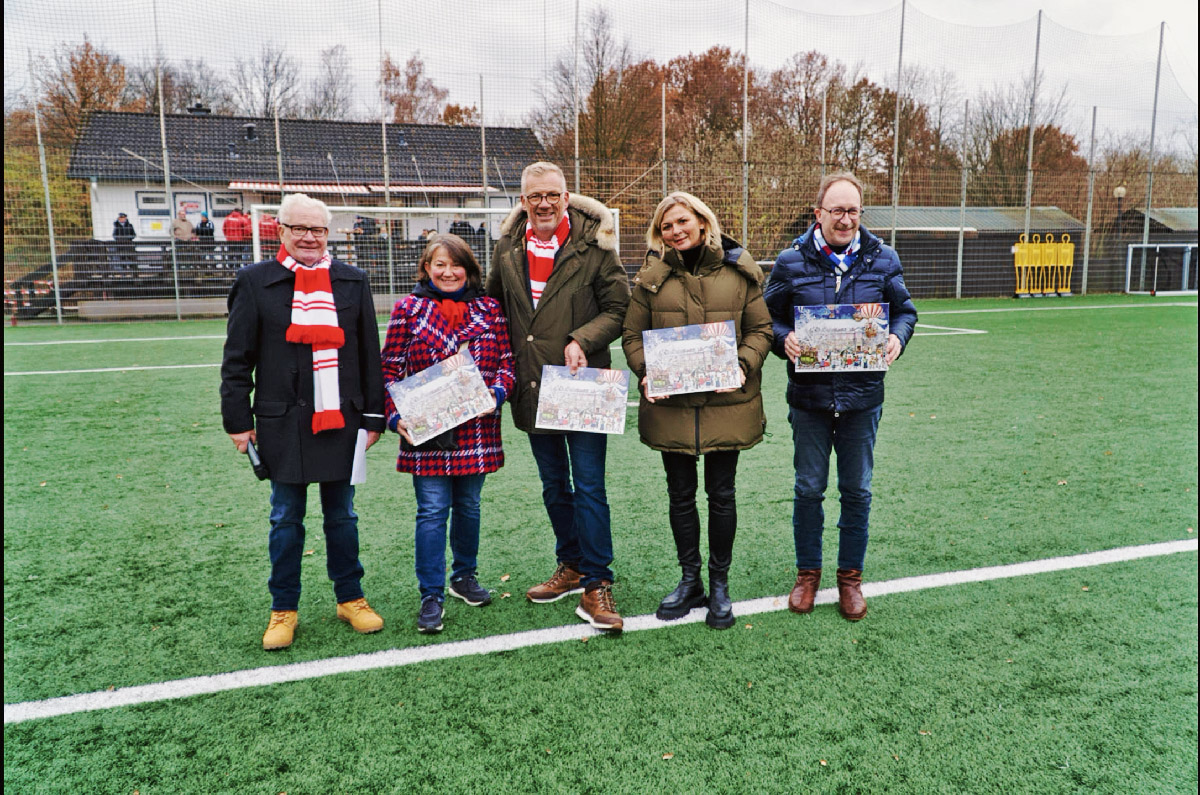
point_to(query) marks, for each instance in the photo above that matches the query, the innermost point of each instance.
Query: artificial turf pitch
(135, 553)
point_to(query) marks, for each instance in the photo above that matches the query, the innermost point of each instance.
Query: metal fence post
(1087, 230)
(576, 82)
(896, 127)
(1037, 51)
(37, 126)
(162, 131)
(1150, 163)
(746, 132)
(962, 206)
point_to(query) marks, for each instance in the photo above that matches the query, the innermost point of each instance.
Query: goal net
(1161, 269)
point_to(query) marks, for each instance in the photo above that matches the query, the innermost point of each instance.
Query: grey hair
(298, 201)
(540, 168)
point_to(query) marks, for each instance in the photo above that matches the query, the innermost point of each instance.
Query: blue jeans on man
(443, 499)
(571, 467)
(286, 541)
(851, 434)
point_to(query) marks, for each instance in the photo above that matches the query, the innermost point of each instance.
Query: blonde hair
(541, 168)
(297, 201)
(707, 218)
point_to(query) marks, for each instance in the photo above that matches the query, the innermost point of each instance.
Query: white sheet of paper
(358, 472)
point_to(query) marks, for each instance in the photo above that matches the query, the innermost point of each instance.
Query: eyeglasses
(841, 212)
(536, 198)
(301, 231)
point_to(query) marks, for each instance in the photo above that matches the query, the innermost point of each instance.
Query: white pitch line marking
(112, 369)
(1192, 304)
(124, 339)
(393, 658)
(943, 331)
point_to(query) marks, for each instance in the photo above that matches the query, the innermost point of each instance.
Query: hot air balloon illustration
(870, 313)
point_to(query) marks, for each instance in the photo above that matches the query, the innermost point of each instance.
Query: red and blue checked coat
(418, 336)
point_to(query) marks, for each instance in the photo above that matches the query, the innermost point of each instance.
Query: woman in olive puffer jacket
(693, 274)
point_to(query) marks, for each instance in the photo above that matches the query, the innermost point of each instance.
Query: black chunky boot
(685, 526)
(720, 606)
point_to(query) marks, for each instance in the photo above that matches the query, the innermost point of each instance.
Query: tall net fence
(152, 110)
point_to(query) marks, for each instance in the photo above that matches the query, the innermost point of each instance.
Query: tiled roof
(209, 148)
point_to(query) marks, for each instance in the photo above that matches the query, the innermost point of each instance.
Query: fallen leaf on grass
(119, 477)
(505, 577)
(1190, 530)
(912, 414)
(310, 552)
(897, 758)
(923, 733)
(1062, 482)
(1085, 587)
(1108, 452)
(583, 639)
(668, 756)
(749, 626)
(1008, 661)
(933, 416)
(749, 685)
(505, 595)
(111, 688)
(43, 483)
(824, 763)
(852, 640)
(219, 524)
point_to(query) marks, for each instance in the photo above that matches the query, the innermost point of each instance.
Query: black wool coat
(258, 359)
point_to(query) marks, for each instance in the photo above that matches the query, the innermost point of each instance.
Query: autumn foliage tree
(75, 81)
(414, 97)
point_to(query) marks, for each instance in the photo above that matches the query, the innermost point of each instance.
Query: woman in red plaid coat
(445, 311)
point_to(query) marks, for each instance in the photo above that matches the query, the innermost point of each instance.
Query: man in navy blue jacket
(836, 261)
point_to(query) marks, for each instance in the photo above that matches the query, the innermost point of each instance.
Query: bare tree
(331, 92)
(266, 84)
(184, 84)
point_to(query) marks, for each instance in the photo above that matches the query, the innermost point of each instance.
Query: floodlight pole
(387, 177)
(37, 126)
(1037, 51)
(664, 137)
(1087, 231)
(896, 128)
(1150, 165)
(746, 131)
(575, 78)
(824, 122)
(962, 204)
(487, 238)
(162, 131)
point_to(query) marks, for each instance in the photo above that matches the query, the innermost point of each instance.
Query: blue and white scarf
(838, 263)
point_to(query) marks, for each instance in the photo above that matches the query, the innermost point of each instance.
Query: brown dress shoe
(804, 591)
(596, 607)
(851, 603)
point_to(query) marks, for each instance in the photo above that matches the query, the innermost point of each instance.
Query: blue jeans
(851, 434)
(286, 542)
(441, 498)
(571, 466)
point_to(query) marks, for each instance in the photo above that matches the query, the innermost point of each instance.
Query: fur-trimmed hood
(602, 227)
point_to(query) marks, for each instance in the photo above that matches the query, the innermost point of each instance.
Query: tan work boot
(598, 609)
(280, 629)
(563, 582)
(851, 603)
(360, 616)
(804, 592)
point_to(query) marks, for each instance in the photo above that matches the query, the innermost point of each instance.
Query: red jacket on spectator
(268, 228)
(236, 227)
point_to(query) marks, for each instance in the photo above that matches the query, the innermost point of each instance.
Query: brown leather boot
(804, 591)
(596, 607)
(851, 603)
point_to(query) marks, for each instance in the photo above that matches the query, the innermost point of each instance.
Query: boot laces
(278, 617)
(560, 576)
(604, 599)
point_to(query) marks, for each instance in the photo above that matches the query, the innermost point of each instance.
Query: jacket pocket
(808, 290)
(270, 408)
(868, 288)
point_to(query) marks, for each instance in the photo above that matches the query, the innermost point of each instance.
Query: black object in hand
(260, 469)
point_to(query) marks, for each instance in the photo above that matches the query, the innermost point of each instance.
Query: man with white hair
(303, 337)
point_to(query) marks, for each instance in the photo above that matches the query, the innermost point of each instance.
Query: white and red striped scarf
(541, 255)
(314, 322)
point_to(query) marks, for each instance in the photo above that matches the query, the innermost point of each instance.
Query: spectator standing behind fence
(205, 231)
(236, 227)
(182, 229)
(694, 274)
(446, 310)
(302, 336)
(556, 273)
(461, 228)
(836, 261)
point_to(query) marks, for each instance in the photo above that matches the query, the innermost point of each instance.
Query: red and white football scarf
(314, 322)
(541, 255)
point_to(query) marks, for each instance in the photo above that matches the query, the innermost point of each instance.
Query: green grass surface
(135, 552)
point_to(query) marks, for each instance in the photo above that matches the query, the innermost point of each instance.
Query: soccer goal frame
(1147, 264)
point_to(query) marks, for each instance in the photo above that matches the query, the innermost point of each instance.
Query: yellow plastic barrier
(1066, 264)
(1037, 267)
(1020, 251)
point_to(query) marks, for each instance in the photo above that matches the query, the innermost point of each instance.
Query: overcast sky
(987, 41)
